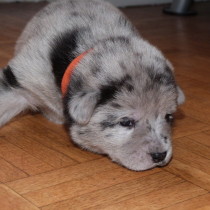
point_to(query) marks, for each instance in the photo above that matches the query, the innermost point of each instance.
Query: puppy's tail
(11, 101)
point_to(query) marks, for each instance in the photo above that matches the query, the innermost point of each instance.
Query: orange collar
(67, 75)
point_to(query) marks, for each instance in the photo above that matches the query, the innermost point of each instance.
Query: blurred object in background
(180, 7)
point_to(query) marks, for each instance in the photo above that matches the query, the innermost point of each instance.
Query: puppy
(84, 64)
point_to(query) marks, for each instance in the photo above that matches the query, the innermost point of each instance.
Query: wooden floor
(41, 169)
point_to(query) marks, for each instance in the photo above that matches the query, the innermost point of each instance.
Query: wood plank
(41, 152)
(192, 174)
(119, 192)
(208, 132)
(201, 202)
(54, 139)
(197, 109)
(195, 88)
(160, 198)
(21, 159)
(202, 138)
(185, 126)
(62, 175)
(190, 69)
(9, 172)
(193, 146)
(190, 161)
(85, 185)
(10, 200)
(189, 158)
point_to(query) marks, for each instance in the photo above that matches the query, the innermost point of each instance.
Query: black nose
(158, 157)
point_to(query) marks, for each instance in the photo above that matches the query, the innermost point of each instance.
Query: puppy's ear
(82, 105)
(181, 96)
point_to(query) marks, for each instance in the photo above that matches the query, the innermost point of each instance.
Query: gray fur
(122, 77)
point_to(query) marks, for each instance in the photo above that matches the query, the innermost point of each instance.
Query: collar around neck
(68, 73)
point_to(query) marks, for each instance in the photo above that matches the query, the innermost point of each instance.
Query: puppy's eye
(126, 122)
(169, 118)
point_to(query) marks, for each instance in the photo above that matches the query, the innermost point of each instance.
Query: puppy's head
(121, 101)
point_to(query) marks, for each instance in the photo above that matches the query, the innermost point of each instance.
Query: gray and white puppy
(121, 95)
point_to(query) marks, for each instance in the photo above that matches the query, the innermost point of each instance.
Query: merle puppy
(83, 63)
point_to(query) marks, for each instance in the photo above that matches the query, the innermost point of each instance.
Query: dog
(84, 64)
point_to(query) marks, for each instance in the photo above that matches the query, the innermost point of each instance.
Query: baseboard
(124, 3)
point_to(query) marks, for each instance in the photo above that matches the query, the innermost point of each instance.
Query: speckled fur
(123, 79)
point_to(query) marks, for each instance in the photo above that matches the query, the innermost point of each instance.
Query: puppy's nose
(158, 157)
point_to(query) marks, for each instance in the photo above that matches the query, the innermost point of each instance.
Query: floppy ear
(181, 96)
(82, 105)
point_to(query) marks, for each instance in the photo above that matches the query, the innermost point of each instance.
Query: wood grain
(40, 168)
(159, 199)
(11, 200)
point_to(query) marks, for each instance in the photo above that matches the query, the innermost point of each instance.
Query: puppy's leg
(55, 116)
(12, 102)
(50, 103)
